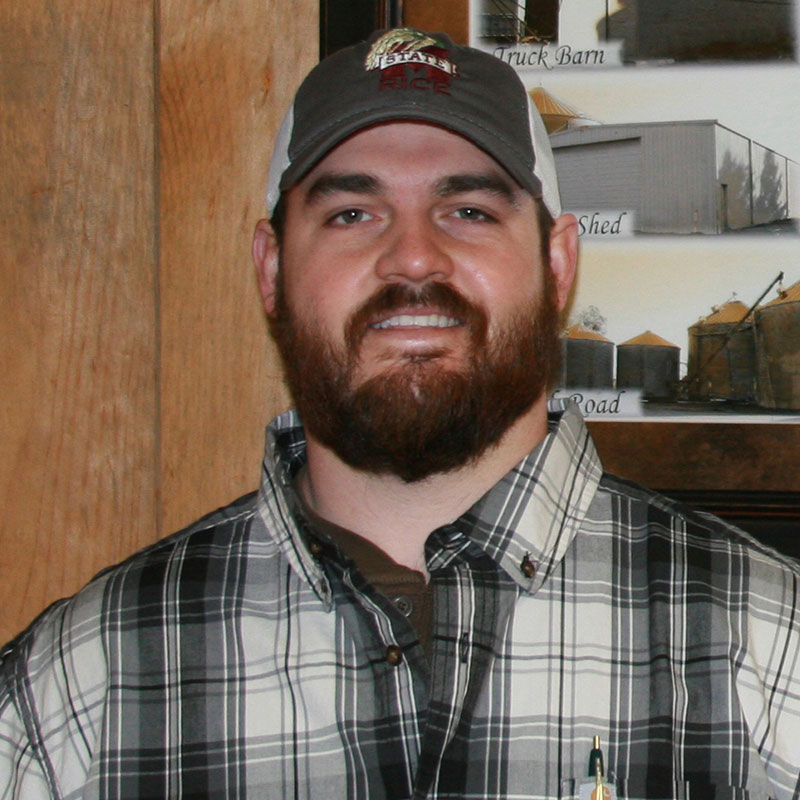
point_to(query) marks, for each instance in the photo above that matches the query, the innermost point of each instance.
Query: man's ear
(266, 258)
(564, 255)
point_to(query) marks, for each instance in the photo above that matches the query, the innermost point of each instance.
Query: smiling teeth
(417, 321)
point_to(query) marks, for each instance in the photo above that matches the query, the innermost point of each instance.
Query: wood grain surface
(702, 457)
(136, 378)
(448, 16)
(78, 451)
(228, 72)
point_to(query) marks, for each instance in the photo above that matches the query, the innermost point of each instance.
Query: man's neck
(398, 516)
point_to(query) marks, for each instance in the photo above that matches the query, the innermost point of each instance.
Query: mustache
(396, 296)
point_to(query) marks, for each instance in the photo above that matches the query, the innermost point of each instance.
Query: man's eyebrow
(478, 182)
(333, 182)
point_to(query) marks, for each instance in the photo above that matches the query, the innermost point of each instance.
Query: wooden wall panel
(228, 70)
(77, 454)
(137, 375)
(449, 16)
(700, 457)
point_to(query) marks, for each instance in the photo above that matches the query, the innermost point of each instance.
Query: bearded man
(437, 592)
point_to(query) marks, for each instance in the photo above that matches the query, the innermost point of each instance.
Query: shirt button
(394, 655)
(403, 605)
(527, 566)
(316, 548)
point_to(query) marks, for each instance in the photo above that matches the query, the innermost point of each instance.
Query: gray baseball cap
(406, 74)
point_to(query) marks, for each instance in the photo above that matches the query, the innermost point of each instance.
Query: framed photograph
(674, 128)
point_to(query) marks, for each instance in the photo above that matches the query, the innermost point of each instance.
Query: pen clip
(596, 768)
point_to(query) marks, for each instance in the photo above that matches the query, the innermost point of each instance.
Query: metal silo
(722, 358)
(650, 363)
(777, 337)
(588, 360)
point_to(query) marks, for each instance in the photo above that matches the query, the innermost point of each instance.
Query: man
(436, 591)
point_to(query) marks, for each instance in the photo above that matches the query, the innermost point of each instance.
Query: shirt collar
(528, 520)
(279, 507)
(525, 523)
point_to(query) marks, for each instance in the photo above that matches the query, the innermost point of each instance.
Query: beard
(418, 418)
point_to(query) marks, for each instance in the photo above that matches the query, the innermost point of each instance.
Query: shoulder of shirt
(215, 531)
(80, 614)
(699, 529)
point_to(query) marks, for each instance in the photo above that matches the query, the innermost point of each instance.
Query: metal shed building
(674, 177)
(702, 29)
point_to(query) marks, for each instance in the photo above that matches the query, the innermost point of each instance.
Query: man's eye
(350, 216)
(473, 214)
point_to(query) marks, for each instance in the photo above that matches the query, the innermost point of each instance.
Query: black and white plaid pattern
(227, 661)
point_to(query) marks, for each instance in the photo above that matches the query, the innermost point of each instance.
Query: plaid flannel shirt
(247, 657)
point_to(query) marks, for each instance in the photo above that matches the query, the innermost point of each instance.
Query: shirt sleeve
(53, 682)
(21, 774)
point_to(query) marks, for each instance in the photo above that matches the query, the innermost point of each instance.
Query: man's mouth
(417, 321)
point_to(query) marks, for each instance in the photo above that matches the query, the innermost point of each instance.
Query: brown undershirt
(406, 588)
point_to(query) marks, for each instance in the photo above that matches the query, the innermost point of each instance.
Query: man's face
(414, 313)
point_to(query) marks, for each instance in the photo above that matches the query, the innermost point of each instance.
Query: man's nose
(414, 251)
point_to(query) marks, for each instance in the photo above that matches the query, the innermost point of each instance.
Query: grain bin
(777, 341)
(649, 363)
(722, 358)
(588, 360)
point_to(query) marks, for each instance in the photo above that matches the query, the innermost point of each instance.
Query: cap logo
(411, 59)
